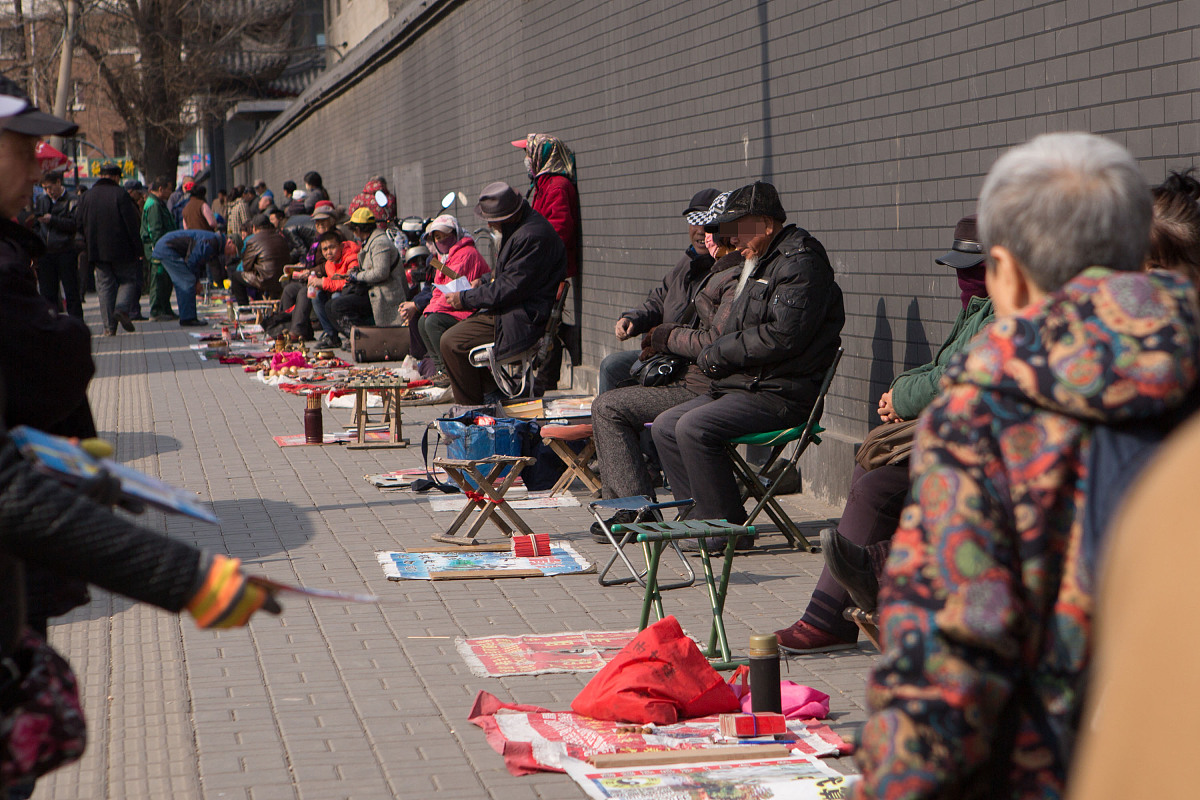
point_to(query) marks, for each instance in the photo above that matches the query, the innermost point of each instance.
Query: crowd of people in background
(981, 545)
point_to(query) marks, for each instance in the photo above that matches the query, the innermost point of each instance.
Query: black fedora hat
(967, 250)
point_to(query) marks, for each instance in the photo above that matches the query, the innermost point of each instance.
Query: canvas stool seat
(645, 510)
(656, 537)
(557, 437)
(764, 489)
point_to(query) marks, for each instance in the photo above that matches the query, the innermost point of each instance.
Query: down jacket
(986, 605)
(667, 302)
(531, 263)
(785, 327)
(913, 390)
(379, 268)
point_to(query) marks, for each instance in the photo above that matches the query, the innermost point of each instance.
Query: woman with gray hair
(986, 603)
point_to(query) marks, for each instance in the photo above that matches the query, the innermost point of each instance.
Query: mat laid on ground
(455, 502)
(533, 739)
(777, 778)
(402, 478)
(297, 439)
(458, 565)
(537, 653)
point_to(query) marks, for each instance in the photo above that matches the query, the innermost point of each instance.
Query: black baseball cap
(701, 200)
(19, 115)
(758, 199)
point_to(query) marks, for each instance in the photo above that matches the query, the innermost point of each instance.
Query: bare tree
(170, 65)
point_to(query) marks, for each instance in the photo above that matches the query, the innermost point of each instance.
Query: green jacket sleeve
(912, 391)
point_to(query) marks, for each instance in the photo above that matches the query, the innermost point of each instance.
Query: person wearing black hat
(665, 303)
(857, 548)
(783, 331)
(109, 225)
(515, 305)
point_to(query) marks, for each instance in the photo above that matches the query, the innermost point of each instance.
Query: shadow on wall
(917, 351)
(882, 371)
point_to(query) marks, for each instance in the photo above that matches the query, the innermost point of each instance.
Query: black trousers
(691, 446)
(55, 269)
(347, 310)
(871, 516)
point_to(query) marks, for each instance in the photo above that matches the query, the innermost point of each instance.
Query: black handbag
(659, 370)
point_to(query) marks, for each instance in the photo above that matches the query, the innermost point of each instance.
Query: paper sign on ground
(778, 779)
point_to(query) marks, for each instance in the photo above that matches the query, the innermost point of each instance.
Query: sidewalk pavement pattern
(328, 700)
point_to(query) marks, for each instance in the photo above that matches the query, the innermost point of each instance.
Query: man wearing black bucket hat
(515, 305)
(782, 335)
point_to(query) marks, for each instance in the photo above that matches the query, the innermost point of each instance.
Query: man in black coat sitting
(515, 306)
(783, 333)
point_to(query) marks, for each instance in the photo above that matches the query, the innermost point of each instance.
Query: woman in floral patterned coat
(986, 606)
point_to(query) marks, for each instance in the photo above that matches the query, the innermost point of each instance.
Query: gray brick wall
(876, 120)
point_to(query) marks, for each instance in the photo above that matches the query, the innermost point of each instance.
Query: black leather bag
(659, 370)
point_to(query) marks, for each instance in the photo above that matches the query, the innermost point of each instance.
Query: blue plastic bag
(466, 441)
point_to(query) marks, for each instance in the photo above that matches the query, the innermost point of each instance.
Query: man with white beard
(782, 335)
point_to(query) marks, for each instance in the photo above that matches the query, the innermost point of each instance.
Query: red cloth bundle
(660, 677)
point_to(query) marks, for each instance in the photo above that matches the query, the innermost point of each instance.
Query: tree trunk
(159, 156)
(22, 73)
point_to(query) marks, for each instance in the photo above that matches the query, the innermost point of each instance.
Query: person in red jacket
(340, 256)
(553, 194)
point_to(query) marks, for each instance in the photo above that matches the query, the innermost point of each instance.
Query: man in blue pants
(184, 254)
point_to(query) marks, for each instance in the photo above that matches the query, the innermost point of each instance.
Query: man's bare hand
(408, 310)
(623, 328)
(455, 301)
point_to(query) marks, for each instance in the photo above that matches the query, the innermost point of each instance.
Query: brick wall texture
(876, 120)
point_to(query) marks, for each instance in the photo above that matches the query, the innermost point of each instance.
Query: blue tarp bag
(467, 441)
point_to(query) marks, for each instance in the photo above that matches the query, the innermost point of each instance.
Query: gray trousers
(618, 418)
(117, 288)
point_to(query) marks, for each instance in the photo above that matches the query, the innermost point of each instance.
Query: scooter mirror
(448, 200)
(381, 198)
(462, 198)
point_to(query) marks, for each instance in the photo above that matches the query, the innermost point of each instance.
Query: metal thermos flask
(764, 673)
(314, 427)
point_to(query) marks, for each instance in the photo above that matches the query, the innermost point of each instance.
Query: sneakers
(164, 317)
(622, 516)
(126, 322)
(193, 323)
(441, 380)
(850, 565)
(328, 342)
(803, 638)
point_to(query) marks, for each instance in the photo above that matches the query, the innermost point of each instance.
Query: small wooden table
(391, 390)
(488, 498)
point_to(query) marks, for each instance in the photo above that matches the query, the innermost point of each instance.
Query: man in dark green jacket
(158, 220)
(876, 497)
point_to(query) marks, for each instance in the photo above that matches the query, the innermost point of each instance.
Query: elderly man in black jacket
(515, 306)
(109, 224)
(783, 333)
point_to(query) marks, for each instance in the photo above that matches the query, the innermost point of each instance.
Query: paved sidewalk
(334, 701)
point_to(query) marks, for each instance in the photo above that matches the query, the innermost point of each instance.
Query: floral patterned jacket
(986, 608)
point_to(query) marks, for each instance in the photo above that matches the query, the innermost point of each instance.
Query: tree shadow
(882, 368)
(917, 351)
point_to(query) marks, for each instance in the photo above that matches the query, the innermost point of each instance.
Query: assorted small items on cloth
(534, 739)
(777, 778)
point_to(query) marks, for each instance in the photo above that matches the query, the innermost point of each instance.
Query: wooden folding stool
(488, 498)
(557, 436)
